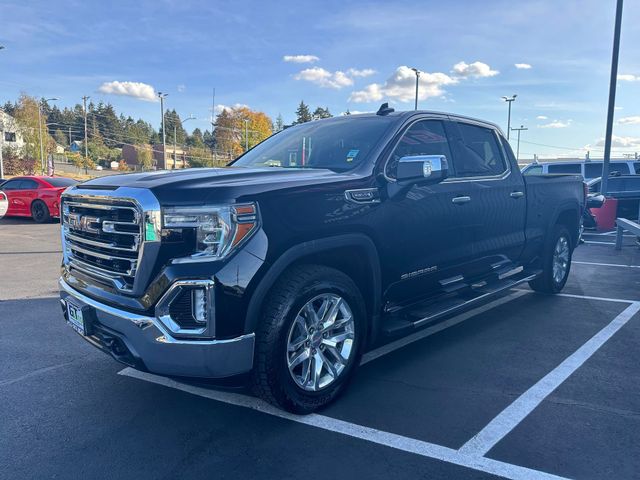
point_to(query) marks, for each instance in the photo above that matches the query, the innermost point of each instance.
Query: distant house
(10, 132)
(76, 146)
(130, 155)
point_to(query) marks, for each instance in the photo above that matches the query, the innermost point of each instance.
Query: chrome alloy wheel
(560, 259)
(320, 342)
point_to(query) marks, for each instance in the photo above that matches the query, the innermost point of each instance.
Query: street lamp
(521, 129)
(40, 129)
(162, 96)
(175, 134)
(417, 72)
(509, 100)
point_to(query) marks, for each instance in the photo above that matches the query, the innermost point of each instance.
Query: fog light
(199, 305)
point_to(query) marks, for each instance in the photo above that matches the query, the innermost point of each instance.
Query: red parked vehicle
(33, 196)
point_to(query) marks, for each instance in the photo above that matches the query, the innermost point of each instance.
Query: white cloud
(629, 78)
(220, 107)
(300, 58)
(325, 78)
(475, 70)
(556, 124)
(138, 90)
(522, 66)
(621, 142)
(630, 120)
(365, 72)
(182, 87)
(542, 117)
(401, 86)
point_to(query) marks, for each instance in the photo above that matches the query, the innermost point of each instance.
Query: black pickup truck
(323, 241)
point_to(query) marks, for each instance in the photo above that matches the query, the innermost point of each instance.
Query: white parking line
(593, 242)
(605, 264)
(586, 297)
(511, 416)
(403, 342)
(398, 442)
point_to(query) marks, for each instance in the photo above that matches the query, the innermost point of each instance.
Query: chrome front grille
(103, 238)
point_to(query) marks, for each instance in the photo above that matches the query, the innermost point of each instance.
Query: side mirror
(595, 201)
(422, 169)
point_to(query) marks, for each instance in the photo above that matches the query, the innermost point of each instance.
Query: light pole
(175, 133)
(40, 130)
(509, 100)
(612, 99)
(417, 72)
(162, 96)
(521, 129)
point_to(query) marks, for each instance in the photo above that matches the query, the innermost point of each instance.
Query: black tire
(40, 212)
(546, 283)
(272, 380)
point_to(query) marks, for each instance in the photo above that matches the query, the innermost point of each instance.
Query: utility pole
(40, 130)
(246, 134)
(521, 129)
(69, 137)
(509, 100)
(417, 72)
(612, 98)
(86, 143)
(162, 96)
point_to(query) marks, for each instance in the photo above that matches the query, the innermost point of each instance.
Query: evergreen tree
(320, 113)
(303, 114)
(279, 125)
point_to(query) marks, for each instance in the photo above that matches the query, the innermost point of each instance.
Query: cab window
(480, 154)
(426, 137)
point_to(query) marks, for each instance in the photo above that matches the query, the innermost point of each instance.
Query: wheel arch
(335, 252)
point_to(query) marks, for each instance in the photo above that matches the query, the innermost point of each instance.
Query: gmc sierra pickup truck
(321, 242)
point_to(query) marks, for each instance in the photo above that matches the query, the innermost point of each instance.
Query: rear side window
(28, 184)
(637, 167)
(594, 170)
(480, 154)
(426, 137)
(565, 168)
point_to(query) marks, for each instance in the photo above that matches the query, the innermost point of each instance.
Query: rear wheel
(40, 212)
(310, 339)
(556, 262)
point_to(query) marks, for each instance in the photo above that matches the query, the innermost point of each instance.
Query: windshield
(339, 144)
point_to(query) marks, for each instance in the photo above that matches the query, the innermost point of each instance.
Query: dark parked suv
(324, 240)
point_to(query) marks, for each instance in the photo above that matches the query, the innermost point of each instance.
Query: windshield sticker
(352, 154)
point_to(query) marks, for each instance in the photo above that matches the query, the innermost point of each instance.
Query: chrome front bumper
(144, 343)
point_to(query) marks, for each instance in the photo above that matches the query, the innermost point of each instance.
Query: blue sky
(354, 51)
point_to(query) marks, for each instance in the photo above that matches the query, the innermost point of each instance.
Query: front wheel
(556, 262)
(310, 339)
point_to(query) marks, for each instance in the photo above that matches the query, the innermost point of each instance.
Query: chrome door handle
(460, 200)
(516, 194)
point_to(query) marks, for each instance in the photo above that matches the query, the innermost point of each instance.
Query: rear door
(496, 188)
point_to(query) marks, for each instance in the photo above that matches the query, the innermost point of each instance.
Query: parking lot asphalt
(529, 386)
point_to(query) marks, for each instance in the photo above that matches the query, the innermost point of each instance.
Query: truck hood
(206, 185)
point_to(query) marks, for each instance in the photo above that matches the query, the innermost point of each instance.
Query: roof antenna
(385, 109)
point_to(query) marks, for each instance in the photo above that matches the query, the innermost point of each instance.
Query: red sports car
(35, 196)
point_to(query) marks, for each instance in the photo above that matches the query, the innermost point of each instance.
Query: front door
(425, 229)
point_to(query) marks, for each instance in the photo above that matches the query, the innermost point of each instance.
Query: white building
(10, 133)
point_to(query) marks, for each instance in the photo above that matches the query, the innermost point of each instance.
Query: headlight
(218, 229)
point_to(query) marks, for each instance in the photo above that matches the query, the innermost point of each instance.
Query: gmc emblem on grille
(84, 223)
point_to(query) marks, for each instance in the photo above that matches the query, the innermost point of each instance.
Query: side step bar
(416, 316)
